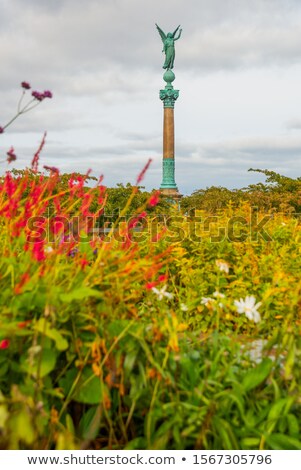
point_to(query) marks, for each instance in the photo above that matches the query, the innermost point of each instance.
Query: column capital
(169, 96)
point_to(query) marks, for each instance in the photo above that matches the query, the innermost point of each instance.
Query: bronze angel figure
(169, 46)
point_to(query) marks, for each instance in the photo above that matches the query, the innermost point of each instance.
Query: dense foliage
(172, 331)
(279, 193)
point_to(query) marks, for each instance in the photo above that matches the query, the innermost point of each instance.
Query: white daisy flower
(206, 301)
(219, 295)
(222, 265)
(162, 293)
(249, 308)
(183, 307)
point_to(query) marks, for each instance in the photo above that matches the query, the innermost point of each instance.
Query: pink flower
(35, 160)
(25, 85)
(4, 344)
(54, 169)
(47, 94)
(142, 173)
(1, 130)
(37, 95)
(11, 156)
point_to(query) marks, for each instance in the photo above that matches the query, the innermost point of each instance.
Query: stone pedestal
(168, 96)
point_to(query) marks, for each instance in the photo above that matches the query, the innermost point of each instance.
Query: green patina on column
(168, 96)
(168, 181)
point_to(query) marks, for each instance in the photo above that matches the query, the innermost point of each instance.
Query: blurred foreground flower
(209, 301)
(4, 344)
(249, 308)
(162, 293)
(11, 156)
(22, 108)
(222, 265)
(154, 199)
(25, 85)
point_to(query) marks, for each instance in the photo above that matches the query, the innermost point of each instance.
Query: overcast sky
(238, 69)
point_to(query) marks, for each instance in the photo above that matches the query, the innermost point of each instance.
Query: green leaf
(257, 375)
(80, 294)
(250, 443)
(283, 442)
(293, 425)
(90, 423)
(279, 409)
(43, 326)
(41, 364)
(69, 424)
(137, 443)
(23, 428)
(4, 414)
(89, 388)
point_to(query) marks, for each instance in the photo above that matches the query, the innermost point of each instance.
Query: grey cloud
(102, 58)
(293, 124)
(68, 41)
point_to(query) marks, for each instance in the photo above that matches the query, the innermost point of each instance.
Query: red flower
(25, 85)
(84, 262)
(23, 324)
(1, 130)
(38, 251)
(161, 278)
(150, 285)
(154, 199)
(4, 344)
(141, 175)
(135, 220)
(24, 279)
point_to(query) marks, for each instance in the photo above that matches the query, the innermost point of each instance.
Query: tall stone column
(168, 96)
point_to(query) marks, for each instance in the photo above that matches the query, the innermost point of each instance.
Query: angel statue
(169, 46)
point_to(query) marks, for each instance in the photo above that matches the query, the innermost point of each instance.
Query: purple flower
(25, 85)
(51, 168)
(72, 252)
(37, 95)
(11, 156)
(1, 130)
(47, 94)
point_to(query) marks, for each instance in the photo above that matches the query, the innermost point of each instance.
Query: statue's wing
(162, 34)
(175, 31)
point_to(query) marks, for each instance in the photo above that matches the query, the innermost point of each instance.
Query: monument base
(171, 193)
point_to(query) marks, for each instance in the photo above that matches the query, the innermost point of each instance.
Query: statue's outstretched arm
(180, 32)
